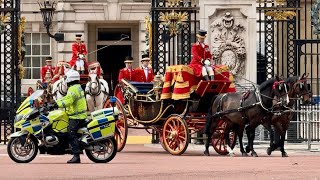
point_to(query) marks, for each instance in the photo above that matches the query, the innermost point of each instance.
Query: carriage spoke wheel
(121, 131)
(218, 138)
(175, 135)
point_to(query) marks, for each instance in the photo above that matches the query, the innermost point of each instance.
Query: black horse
(252, 108)
(298, 89)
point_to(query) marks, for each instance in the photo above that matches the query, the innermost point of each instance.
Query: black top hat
(48, 58)
(128, 59)
(78, 35)
(145, 57)
(201, 33)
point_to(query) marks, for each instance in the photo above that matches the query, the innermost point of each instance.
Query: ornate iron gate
(288, 46)
(10, 88)
(174, 24)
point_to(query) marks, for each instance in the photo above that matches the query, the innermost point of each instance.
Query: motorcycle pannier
(100, 126)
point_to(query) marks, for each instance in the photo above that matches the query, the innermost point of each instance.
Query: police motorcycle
(41, 128)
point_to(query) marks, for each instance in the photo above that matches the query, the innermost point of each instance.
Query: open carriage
(175, 108)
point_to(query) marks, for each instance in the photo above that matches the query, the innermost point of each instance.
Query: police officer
(76, 108)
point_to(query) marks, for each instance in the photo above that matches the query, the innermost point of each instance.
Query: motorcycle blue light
(113, 100)
(31, 102)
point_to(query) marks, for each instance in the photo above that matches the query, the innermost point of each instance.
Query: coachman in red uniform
(145, 73)
(78, 48)
(128, 72)
(201, 57)
(47, 68)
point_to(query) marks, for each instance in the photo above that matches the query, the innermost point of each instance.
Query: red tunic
(199, 54)
(76, 50)
(44, 69)
(128, 75)
(142, 76)
(58, 71)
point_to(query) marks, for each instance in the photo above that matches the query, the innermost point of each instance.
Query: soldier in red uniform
(79, 50)
(201, 58)
(47, 68)
(60, 70)
(145, 73)
(128, 72)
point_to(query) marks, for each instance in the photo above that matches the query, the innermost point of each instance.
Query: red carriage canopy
(180, 82)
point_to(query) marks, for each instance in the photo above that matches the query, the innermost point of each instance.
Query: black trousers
(74, 125)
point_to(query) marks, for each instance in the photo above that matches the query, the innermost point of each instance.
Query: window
(38, 48)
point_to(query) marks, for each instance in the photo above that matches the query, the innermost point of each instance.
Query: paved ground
(151, 162)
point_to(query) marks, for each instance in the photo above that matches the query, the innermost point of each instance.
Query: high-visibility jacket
(74, 103)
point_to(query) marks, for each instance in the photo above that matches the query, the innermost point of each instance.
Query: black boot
(206, 77)
(75, 159)
(212, 78)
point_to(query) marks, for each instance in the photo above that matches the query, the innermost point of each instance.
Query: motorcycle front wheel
(103, 151)
(22, 153)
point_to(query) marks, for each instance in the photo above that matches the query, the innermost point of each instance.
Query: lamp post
(47, 9)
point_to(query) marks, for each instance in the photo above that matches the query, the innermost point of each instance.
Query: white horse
(97, 91)
(59, 89)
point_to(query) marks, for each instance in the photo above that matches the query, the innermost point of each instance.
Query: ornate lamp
(47, 9)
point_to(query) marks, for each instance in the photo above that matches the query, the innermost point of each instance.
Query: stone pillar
(231, 26)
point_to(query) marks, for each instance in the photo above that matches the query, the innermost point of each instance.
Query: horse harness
(59, 85)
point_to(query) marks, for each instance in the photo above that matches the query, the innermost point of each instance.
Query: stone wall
(231, 26)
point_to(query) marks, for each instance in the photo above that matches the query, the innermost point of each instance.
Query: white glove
(207, 62)
(81, 56)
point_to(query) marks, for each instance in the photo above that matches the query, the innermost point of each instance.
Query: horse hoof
(244, 154)
(206, 153)
(254, 154)
(247, 149)
(269, 151)
(284, 154)
(232, 155)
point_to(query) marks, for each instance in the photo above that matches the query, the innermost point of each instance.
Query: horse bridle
(98, 86)
(59, 85)
(299, 84)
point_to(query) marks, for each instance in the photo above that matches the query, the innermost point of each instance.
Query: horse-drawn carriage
(175, 108)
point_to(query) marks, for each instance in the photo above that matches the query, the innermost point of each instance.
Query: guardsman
(201, 57)
(47, 68)
(60, 70)
(76, 108)
(79, 50)
(128, 72)
(145, 71)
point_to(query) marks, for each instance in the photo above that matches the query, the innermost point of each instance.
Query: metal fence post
(310, 119)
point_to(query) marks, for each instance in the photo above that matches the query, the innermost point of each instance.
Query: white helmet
(72, 75)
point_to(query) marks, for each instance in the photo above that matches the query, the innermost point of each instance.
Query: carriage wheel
(121, 132)
(175, 135)
(218, 139)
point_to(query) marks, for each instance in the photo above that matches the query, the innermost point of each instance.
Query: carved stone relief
(228, 44)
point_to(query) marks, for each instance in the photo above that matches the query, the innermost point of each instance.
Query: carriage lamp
(157, 85)
(47, 9)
